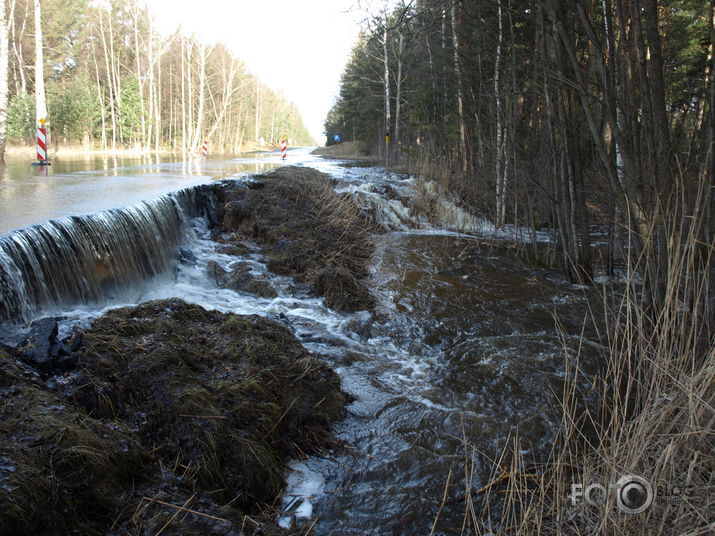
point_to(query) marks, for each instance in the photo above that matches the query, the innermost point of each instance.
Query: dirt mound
(306, 231)
(176, 416)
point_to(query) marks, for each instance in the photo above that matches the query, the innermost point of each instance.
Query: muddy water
(466, 350)
(462, 349)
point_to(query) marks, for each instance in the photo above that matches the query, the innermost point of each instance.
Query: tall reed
(651, 409)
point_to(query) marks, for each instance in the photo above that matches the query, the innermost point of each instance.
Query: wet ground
(461, 348)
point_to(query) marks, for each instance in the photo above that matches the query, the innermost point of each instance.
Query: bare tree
(40, 102)
(500, 156)
(464, 150)
(386, 63)
(4, 52)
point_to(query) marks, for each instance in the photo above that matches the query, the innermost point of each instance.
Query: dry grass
(352, 150)
(306, 231)
(653, 416)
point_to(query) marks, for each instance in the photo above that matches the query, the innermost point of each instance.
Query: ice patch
(303, 486)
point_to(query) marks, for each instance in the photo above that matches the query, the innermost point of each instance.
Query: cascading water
(90, 259)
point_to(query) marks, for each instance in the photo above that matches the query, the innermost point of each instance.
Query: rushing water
(462, 349)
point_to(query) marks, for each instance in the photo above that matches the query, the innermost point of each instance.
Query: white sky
(298, 46)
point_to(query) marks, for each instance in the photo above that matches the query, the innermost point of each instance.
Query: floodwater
(463, 347)
(76, 186)
(463, 351)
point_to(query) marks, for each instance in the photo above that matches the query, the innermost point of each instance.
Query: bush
(21, 118)
(73, 108)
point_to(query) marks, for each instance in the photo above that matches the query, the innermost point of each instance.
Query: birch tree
(4, 52)
(40, 101)
(463, 147)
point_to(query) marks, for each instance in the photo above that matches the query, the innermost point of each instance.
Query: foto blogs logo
(634, 494)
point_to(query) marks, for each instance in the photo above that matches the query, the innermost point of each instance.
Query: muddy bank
(172, 418)
(305, 230)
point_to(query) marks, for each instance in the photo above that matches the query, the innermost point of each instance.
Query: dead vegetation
(178, 420)
(306, 231)
(353, 150)
(653, 416)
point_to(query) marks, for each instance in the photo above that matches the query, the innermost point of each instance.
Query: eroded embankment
(169, 405)
(305, 230)
(168, 418)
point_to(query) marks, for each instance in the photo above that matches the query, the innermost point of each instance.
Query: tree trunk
(17, 51)
(709, 171)
(40, 103)
(100, 99)
(140, 79)
(500, 145)
(203, 53)
(258, 110)
(184, 148)
(158, 131)
(4, 53)
(398, 97)
(386, 76)
(460, 93)
(112, 110)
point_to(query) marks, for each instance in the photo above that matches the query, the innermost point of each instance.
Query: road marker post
(284, 148)
(42, 144)
(205, 148)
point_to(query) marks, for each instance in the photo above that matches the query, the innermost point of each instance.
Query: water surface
(74, 186)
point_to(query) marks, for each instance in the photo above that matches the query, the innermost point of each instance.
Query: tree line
(113, 82)
(558, 113)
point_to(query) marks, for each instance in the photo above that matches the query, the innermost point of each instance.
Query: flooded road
(462, 349)
(75, 186)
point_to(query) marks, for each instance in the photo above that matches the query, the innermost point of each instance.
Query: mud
(175, 420)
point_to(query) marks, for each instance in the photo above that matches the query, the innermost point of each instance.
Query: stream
(462, 348)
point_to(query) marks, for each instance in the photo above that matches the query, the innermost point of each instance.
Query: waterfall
(89, 259)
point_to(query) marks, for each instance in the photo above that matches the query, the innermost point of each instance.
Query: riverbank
(348, 150)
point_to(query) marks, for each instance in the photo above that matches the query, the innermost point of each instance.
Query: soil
(170, 406)
(305, 230)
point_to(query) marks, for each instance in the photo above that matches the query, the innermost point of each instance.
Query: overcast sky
(298, 46)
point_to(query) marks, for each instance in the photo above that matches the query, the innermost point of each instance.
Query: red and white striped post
(284, 149)
(42, 141)
(205, 148)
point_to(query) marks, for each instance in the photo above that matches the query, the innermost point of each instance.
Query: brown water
(466, 351)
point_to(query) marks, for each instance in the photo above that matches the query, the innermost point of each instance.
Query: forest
(592, 121)
(112, 81)
(555, 113)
